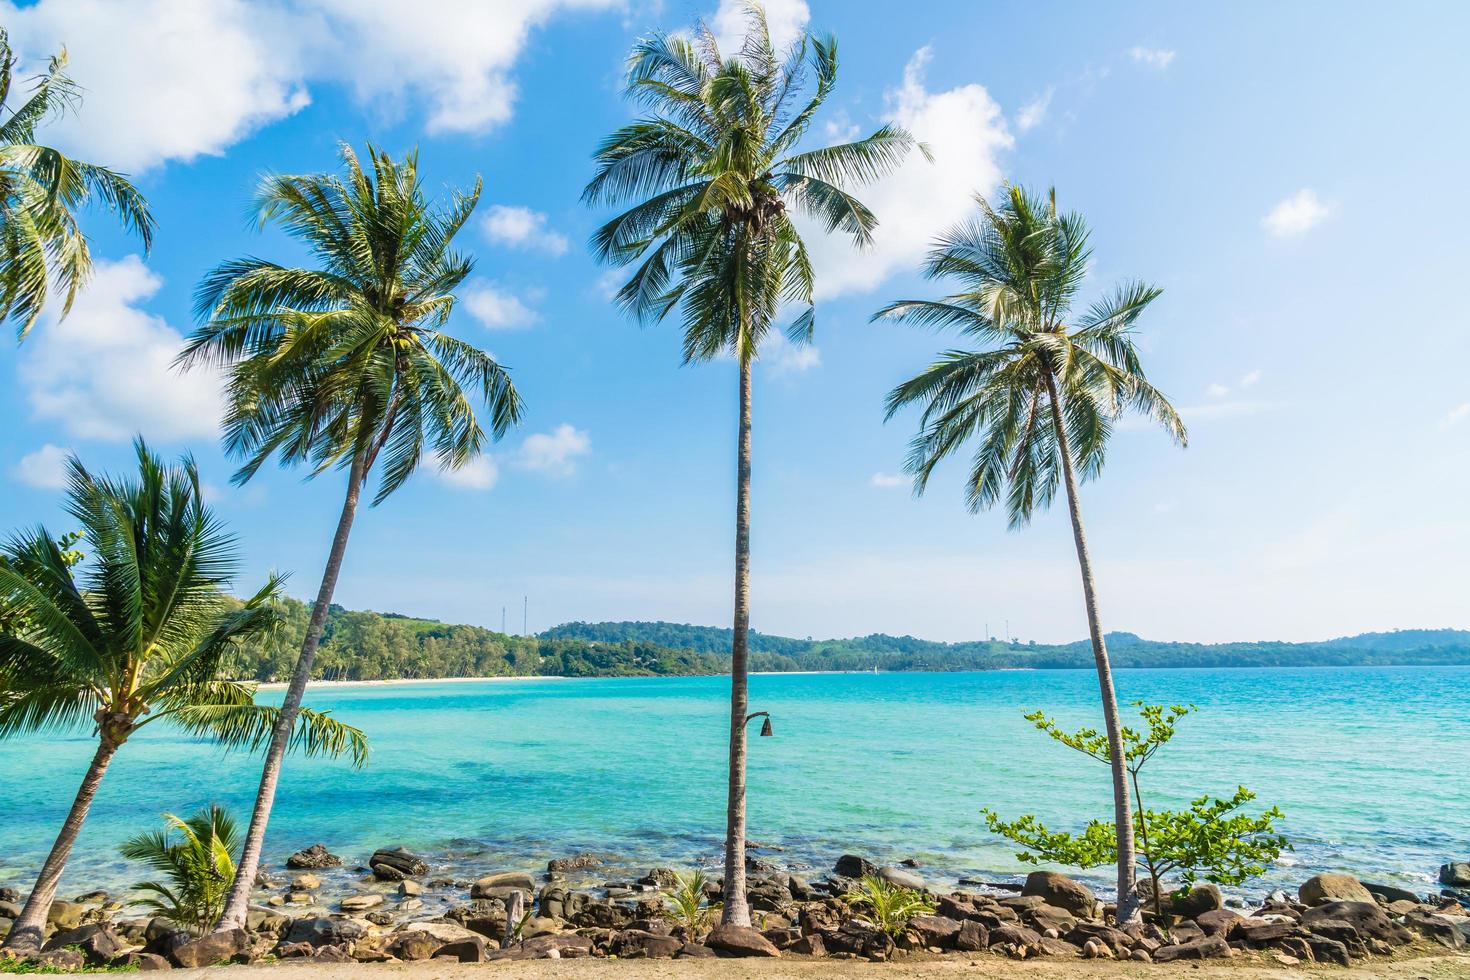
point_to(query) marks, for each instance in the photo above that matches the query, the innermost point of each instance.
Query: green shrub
(888, 906)
(687, 906)
(198, 864)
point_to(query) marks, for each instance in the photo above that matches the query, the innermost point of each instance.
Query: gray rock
(739, 941)
(1198, 900)
(1332, 887)
(1456, 874)
(901, 878)
(852, 866)
(1063, 892)
(361, 903)
(397, 863)
(207, 950)
(98, 941)
(1210, 947)
(321, 931)
(313, 858)
(502, 885)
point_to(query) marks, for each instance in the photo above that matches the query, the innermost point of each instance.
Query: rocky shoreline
(392, 908)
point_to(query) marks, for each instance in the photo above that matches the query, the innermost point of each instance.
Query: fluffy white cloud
(106, 370)
(1456, 415)
(888, 480)
(1296, 215)
(173, 79)
(44, 469)
(965, 131)
(1250, 378)
(785, 19)
(783, 357)
(480, 473)
(1033, 113)
(520, 227)
(555, 452)
(1217, 391)
(1159, 58)
(496, 308)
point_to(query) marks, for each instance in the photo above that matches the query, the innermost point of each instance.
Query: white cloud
(1456, 415)
(782, 356)
(44, 469)
(965, 131)
(480, 473)
(785, 19)
(520, 227)
(1217, 391)
(1250, 378)
(886, 480)
(1033, 113)
(554, 452)
(1159, 58)
(174, 79)
(1296, 215)
(106, 370)
(495, 308)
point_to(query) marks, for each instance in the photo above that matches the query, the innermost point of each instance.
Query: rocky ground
(392, 912)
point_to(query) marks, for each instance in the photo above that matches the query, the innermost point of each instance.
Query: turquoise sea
(1370, 766)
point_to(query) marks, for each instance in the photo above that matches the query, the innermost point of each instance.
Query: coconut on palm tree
(1038, 391)
(136, 634)
(42, 248)
(715, 171)
(344, 364)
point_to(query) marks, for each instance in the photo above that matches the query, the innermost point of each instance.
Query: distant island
(363, 645)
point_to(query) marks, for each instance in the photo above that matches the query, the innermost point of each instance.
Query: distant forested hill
(374, 646)
(1407, 647)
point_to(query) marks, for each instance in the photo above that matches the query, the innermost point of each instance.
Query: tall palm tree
(333, 365)
(1041, 395)
(42, 248)
(714, 171)
(134, 635)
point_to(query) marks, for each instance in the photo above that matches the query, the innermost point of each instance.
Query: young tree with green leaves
(345, 363)
(1040, 395)
(198, 865)
(134, 635)
(715, 171)
(42, 247)
(1211, 839)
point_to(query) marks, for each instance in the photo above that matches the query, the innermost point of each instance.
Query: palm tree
(1041, 395)
(139, 638)
(199, 865)
(332, 366)
(714, 170)
(42, 248)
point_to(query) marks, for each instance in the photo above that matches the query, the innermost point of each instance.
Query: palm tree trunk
(238, 903)
(736, 911)
(29, 931)
(1128, 907)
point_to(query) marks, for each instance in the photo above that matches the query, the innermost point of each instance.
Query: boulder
(1210, 947)
(306, 883)
(935, 930)
(855, 938)
(361, 903)
(313, 858)
(58, 961)
(1390, 893)
(135, 960)
(414, 946)
(1197, 901)
(566, 945)
(1450, 931)
(1456, 874)
(98, 942)
(502, 885)
(577, 862)
(408, 888)
(901, 878)
(699, 951)
(9, 909)
(729, 940)
(1326, 950)
(65, 915)
(972, 936)
(471, 950)
(318, 931)
(636, 943)
(1044, 917)
(1365, 917)
(396, 863)
(1259, 932)
(809, 945)
(1219, 922)
(1061, 891)
(1114, 939)
(1332, 887)
(210, 949)
(852, 866)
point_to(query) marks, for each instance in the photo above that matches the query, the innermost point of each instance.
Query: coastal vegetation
(43, 251)
(1041, 395)
(1211, 839)
(717, 173)
(196, 858)
(131, 635)
(889, 906)
(329, 367)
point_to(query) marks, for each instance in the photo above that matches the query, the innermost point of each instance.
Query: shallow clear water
(1369, 764)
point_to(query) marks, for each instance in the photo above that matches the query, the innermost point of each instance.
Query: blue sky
(1292, 175)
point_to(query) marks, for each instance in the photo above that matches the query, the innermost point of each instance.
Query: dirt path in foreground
(1430, 967)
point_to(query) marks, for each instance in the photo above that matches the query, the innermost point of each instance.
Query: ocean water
(1370, 766)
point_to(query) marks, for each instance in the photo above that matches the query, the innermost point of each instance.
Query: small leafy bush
(888, 906)
(687, 906)
(195, 855)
